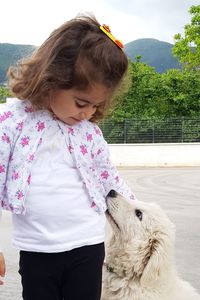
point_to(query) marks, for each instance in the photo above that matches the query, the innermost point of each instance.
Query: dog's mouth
(111, 219)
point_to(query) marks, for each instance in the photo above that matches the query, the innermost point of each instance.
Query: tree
(4, 93)
(182, 93)
(187, 46)
(146, 95)
(152, 95)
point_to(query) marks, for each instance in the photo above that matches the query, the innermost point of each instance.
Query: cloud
(161, 19)
(30, 22)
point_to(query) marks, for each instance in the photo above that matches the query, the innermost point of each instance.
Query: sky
(31, 21)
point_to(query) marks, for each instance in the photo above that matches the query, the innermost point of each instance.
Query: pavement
(177, 190)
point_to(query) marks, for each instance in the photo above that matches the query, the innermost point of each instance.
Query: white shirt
(58, 215)
(22, 131)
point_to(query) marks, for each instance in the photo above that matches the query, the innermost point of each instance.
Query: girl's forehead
(95, 93)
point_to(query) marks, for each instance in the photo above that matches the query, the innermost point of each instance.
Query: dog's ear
(155, 261)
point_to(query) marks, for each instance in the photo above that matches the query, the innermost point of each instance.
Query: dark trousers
(70, 275)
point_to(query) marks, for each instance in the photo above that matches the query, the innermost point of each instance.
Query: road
(177, 190)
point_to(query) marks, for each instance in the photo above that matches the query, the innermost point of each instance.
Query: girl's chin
(71, 121)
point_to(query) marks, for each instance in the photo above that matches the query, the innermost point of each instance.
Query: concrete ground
(177, 190)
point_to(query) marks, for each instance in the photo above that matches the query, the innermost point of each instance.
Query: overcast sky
(31, 21)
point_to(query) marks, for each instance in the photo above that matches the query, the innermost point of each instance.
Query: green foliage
(187, 46)
(152, 95)
(136, 100)
(182, 93)
(4, 93)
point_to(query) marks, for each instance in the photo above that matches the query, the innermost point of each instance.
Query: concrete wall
(155, 155)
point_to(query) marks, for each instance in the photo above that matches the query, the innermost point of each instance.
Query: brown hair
(75, 55)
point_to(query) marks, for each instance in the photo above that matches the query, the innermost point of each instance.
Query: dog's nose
(112, 194)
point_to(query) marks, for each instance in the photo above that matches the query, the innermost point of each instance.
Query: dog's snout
(112, 204)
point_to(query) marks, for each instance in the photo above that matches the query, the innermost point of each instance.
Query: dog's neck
(111, 269)
(119, 267)
(117, 257)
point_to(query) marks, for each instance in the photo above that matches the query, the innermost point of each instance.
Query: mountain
(9, 54)
(155, 53)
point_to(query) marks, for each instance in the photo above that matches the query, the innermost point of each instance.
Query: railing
(174, 130)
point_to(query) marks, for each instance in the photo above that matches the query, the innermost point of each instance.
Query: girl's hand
(2, 267)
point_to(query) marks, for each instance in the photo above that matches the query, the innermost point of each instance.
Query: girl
(55, 170)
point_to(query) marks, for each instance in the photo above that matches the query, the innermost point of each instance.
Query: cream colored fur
(140, 255)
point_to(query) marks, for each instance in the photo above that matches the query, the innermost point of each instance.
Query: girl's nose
(86, 113)
(82, 116)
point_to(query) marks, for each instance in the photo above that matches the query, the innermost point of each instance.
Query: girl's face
(72, 106)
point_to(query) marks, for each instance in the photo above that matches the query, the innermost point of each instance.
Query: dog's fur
(139, 255)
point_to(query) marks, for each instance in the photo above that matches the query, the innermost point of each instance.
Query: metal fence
(182, 130)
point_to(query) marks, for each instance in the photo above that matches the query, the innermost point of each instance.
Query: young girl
(55, 171)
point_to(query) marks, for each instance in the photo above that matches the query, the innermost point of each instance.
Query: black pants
(70, 275)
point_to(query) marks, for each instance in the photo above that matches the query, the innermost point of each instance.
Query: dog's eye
(138, 213)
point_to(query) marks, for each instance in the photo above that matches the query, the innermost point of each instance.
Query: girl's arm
(6, 138)
(2, 268)
(2, 264)
(5, 156)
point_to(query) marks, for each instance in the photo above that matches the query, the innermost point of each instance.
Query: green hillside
(9, 54)
(155, 53)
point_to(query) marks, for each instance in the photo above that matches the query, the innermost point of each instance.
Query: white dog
(139, 255)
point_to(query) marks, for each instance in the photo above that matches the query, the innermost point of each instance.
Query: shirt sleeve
(108, 174)
(5, 153)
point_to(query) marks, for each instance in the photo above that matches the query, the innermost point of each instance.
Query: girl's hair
(76, 55)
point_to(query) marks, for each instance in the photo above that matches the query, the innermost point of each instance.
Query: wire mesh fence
(174, 130)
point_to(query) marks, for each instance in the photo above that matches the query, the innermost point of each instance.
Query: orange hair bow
(107, 31)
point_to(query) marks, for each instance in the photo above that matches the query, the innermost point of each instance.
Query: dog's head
(144, 233)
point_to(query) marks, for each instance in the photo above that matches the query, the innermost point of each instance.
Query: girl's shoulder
(15, 114)
(89, 131)
(90, 127)
(14, 109)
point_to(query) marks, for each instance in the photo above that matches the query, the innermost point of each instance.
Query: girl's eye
(79, 105)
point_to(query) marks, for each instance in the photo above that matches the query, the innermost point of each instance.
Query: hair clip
(107, 31)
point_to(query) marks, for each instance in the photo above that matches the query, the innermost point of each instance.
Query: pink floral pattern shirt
(21, 131)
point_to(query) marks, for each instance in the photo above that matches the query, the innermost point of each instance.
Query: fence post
(182, 126)
(125, 132)
(153, 131)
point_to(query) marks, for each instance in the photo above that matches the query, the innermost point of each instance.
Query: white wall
(155, 154)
